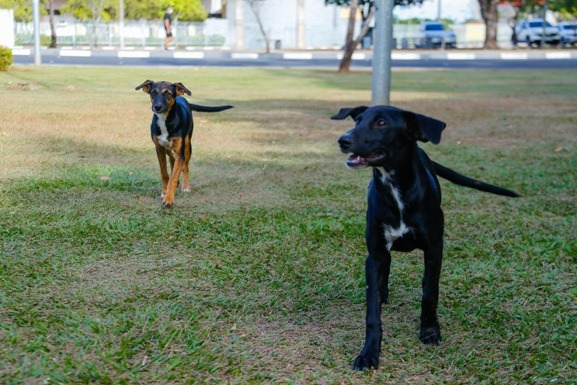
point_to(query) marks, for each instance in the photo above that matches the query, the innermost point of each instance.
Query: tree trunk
(350, 44)
(512, 23)
(254, 4)
(52, 28)
(491, 17)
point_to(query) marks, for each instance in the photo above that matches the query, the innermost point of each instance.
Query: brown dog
(171, 131)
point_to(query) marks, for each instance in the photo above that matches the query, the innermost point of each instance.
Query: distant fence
(135, 33)
(215, 33)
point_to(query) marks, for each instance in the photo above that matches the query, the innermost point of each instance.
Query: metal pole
(121, 22)
(544, 23)
(381, 80)
(300, 24)
(36, 17)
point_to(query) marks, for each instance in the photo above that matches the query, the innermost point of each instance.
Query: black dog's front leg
(377, 276)
(430, 330)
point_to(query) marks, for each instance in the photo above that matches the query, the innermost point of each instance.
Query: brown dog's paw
(167, 205)
(186, 190)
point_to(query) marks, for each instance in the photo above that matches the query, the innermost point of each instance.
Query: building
(290, 24)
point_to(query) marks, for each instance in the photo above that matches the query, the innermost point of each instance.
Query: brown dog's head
(382, 134)
(162, 94)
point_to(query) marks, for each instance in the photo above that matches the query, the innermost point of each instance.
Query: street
(318, 59)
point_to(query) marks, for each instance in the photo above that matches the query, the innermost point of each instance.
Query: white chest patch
(386, 178)
(393, 233)
(163, 138)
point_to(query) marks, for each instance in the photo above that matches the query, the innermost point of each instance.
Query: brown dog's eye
(381, 123)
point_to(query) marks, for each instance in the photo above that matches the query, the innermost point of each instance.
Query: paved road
(559, 58)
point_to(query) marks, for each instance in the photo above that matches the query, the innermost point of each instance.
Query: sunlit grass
(256, 276)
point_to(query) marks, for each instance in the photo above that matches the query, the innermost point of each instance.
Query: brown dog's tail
(199, 108)
(462, 180)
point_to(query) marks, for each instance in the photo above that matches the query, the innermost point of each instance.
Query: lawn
(256, 276)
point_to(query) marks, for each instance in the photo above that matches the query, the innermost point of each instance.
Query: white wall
(323, 26)
(7, 28)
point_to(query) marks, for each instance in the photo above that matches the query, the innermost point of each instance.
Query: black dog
(404, 208)
(171, 131)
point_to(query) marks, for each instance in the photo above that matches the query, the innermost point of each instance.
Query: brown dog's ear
(145, 86)
(181, 89)
(352, 112)
(423, 128)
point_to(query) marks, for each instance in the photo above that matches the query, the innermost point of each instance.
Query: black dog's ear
(423, 128)
(352, 112)
(181, 89)
(145, 86)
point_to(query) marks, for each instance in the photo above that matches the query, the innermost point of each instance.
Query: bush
(5, 58)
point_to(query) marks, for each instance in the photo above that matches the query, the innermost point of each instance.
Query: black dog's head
(382, 133)
(162, 94)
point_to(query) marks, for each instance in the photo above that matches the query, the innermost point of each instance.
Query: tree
(184, 10)
(367, 8)
(53, 37)
(95, 10)
(563, 7)
(22, 9)
(255, 8)
(491, 18)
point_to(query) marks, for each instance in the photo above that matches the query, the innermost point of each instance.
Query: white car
(568, 32)
(531, 32)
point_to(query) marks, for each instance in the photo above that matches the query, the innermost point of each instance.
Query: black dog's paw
(366, 361)
(430, 335)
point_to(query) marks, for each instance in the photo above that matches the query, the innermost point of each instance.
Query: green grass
(256, 276)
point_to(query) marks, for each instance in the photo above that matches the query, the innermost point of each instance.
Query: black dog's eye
(380, 123)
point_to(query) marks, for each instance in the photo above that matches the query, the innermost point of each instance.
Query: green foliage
(184, 10)
(91, 9)
(564, 7)
(22, 9)
(5, 58)
(187, 10)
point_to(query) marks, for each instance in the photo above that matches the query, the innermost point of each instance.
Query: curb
(297, 55)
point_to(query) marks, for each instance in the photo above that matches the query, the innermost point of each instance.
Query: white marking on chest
(163, 138)
(392, 233)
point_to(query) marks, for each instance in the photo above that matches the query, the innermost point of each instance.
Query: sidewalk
(220, 54)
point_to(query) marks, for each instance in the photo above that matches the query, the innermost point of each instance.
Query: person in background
(167, 27)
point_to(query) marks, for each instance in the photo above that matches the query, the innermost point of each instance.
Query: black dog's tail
(462, 180)
(199, 108)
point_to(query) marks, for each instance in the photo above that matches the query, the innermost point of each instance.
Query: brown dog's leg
(161, 155)
(176, 162)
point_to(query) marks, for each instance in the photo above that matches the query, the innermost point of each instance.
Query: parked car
(568, 32)
(435, 34)
(531, 32)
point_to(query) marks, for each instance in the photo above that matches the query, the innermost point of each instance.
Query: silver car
(568, 32)
(535, 31)
(435, 34)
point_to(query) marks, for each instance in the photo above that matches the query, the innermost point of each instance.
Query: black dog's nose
(345, 142)
(157, 108)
